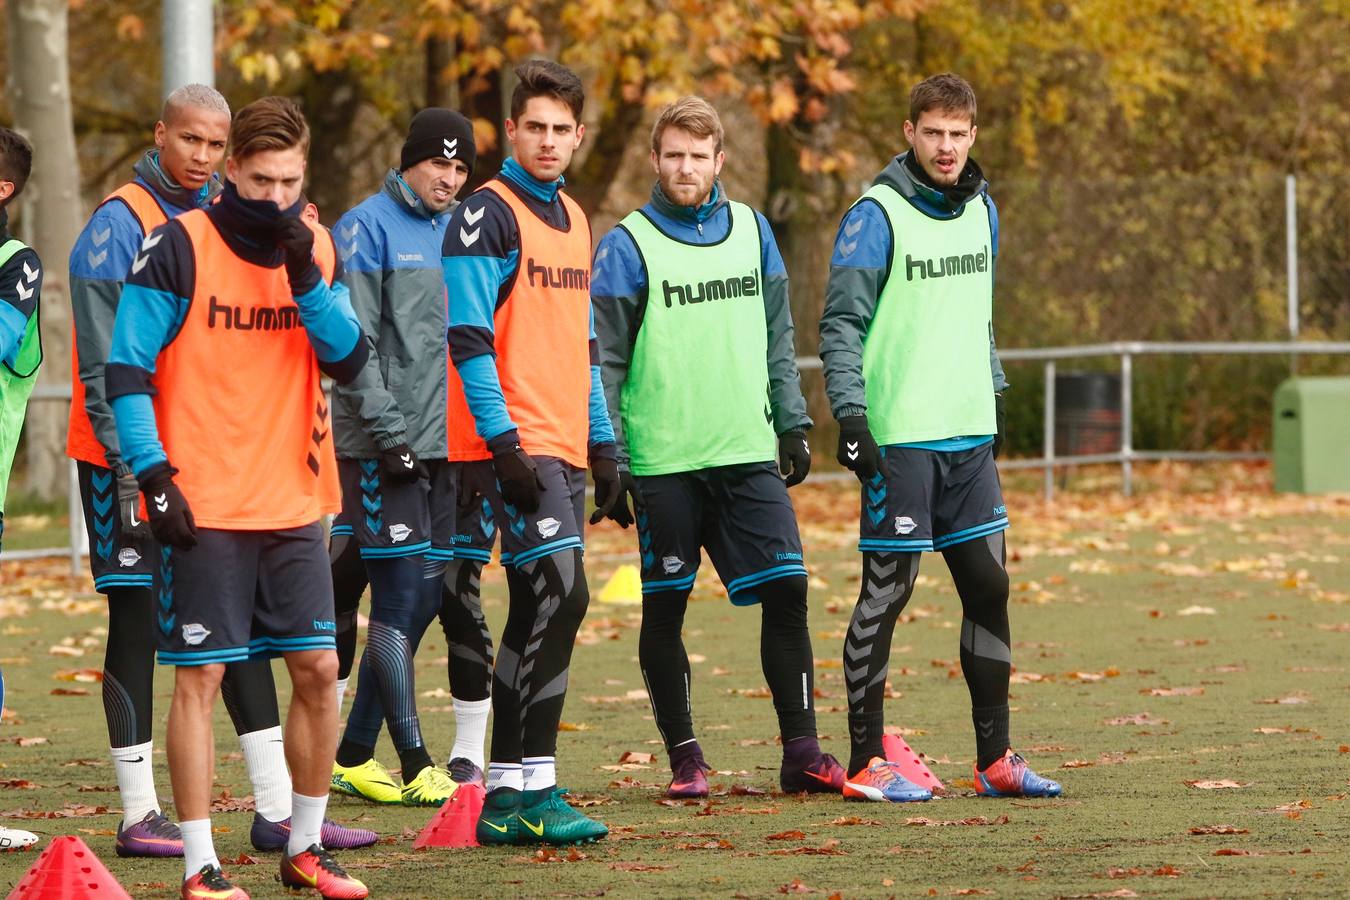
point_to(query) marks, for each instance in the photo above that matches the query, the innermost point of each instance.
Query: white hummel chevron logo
(407, 460)
(349, 232)
(162, 502)
(472, 216)
(96, 259)
(25, 293)
(150, 241)
(29, 273)
(451, 147)
(852, 229)
(846, 249)
(139, 263)
(852, 448)
(101, 237)
(144, 256)
(469, 238)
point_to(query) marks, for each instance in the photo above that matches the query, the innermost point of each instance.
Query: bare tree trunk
(39, 92)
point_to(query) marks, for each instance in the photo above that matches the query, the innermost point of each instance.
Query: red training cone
(68, 870)
(897, 751)
(456, 821)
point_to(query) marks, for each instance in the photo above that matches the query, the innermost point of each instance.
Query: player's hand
(475, 484)
(520, 482)
(613, 486)
(170, 518)
(129, 505)
(1000, 423)
(401, 464)
(794, 457)
(858, 450)
(296, 240)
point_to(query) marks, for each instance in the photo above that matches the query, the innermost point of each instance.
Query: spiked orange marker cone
(455, 822)
(911, 766)
(68, 870)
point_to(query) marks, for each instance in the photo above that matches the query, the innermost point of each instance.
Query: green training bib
(926, 354)
(16, 383)
(697, 392)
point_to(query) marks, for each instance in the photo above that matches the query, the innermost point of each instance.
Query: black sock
(785, 655)
(413, 760)
(887, 583)
(986, 654)
(466, 633)
(349, 583)
(250, 694)
(561, 597)
(665, 665)
(129, 666)
(350, 753)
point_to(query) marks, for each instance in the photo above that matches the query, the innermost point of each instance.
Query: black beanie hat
(438, 132)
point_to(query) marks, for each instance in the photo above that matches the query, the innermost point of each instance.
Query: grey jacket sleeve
(996, 364)
(366, 396)
(94, 307)
(786, 402)
(858, 269)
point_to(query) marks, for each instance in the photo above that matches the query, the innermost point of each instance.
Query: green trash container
(1312, 435)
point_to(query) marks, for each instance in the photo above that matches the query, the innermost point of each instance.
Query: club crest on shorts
(398, 533)
(194, 634)
(904, 525)
(671, 564)
(548, 527)
(127, 557)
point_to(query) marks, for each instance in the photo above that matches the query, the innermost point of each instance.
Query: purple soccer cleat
(267, 836)
(690, 773)
(153, 836)
(465, 771)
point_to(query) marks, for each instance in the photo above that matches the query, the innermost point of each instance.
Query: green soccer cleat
(498, 823)
(369, 781)
(545, 818)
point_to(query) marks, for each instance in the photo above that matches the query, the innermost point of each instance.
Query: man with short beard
(914, 379)
(693, 283)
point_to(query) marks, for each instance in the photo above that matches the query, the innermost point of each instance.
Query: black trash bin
(1087, 413)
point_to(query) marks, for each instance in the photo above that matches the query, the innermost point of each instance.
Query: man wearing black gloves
(714, 485)
(914, 379)
(227, 318)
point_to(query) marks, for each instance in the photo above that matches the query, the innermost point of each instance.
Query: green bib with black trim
(926, 354)
(17, 379)
(697, 391)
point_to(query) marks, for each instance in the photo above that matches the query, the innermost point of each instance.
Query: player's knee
(783, 601)
(198, 683)
(312, 670)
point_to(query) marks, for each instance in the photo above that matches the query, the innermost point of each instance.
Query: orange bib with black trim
(542, 339)
(240, 408)
(81, 443)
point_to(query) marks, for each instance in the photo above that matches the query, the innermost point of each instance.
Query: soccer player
(398, 491)
(517, 269)
(20, 348)
(226, 320)
(176, 175)
(914, 379)
(693, 282)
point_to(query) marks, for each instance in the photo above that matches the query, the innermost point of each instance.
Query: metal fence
(1125, 457)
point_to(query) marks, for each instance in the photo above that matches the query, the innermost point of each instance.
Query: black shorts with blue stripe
(740, 514)
(117, 558)
(931, 499)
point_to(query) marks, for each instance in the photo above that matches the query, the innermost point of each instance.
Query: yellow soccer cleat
(369, 781)
(431, 787)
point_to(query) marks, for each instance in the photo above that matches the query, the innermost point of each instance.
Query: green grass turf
(1181, 636)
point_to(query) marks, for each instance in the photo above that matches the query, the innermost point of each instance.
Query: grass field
(1182, 666)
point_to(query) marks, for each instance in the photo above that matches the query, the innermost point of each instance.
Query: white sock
(341, 692)
(136, 781)
(265, 757)
(198, 849)
(470, 729)
(306, 822)
(504, 775)
(539, 772)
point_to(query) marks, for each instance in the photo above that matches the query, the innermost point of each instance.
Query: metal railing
(1126, 351)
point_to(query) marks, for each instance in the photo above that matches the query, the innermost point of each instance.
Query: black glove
(1000, 424)
(794, 457)
(475, 483)
(401, 464)
(129, 505)
(857, 448)
(296, 240)
(612, 487)
(519, 481)
(170, 518)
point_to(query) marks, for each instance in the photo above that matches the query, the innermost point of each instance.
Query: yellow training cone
(624, 586)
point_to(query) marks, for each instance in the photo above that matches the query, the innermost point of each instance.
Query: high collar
(694, 215)
(401, 193)
(4, 225)
(249, 226)
(149, 171)
(908, 177)
(545, 191)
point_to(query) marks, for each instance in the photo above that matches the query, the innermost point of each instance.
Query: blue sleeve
(617, 270)
(601, 431)
(13, 325)
(359, 242)
(483, 392)
(770, 259)
(137, 432)
(327, 314)
(864, 238)
(993, 222)
(20, 287)
(107, 246)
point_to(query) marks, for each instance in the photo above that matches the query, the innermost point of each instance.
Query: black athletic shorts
(243, 595)
(555, 526)
(388, 518)
(116, 559)
(741, 514)
(931, 499)
(451, 538)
